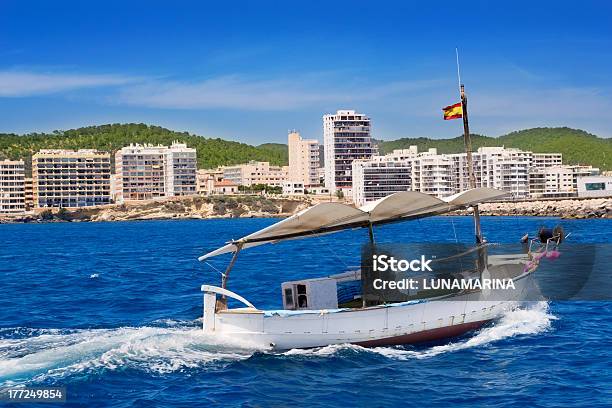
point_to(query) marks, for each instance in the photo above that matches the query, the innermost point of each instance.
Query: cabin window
(302, 301)
(302, 298)
(288, 297)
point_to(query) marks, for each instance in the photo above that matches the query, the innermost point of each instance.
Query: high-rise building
(145, 172)
(141, 172)
(12, 187)
(346, 136)
(303, 160)
(181, 164)
(68, 178)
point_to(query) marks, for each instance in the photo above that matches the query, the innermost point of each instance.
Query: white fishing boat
(312, 315)
(315, 313)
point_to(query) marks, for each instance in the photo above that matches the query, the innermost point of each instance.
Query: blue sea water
(112, 311)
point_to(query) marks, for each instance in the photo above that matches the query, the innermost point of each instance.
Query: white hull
(401, 323)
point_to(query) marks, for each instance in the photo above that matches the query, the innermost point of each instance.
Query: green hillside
(577, 146)
(211, 152)
(276, 148)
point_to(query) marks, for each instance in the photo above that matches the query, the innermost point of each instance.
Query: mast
(470, 164)
(482, 261)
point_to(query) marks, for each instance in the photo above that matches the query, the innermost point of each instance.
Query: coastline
(257, 206)
(568, 208)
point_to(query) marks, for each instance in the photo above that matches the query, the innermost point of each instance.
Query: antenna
(458, 71)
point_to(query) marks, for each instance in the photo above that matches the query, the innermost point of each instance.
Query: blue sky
(249, 71)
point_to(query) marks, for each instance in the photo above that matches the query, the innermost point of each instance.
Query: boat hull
(426, 335)
(371, 327)
(400, 323)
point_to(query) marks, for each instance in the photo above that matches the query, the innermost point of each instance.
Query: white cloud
(233, 92)
(417, 104)
(223, 92)
(21, 84)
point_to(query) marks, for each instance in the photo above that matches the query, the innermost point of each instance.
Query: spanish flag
(453, 111)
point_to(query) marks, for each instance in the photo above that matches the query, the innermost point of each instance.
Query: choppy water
(112, 311)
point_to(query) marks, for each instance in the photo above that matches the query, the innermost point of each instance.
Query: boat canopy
(325, 218)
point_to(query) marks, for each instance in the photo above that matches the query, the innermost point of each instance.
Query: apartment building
(293, 188)
(495, 167)
(303, 160)
(441, 175)
(29, 194)
(68, 178)
(432, 173)
(141, 172)
(255, 172)
(379, 177)
(558, 181)
(181, 165)
(504, 169)
(145, 172)
(12, 187)
(346, 136)
(541, 160)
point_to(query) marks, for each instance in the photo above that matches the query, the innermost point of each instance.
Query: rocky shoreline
(249, 206)
(194, 207)
(563, 208)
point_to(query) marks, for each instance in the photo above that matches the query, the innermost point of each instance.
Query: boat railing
(215, 290)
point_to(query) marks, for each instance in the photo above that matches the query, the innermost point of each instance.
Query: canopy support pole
(222, 303)
(230, 266)
(371, 233)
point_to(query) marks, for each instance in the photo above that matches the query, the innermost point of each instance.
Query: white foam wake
(155, 349)
(56, 353)
(526, 321)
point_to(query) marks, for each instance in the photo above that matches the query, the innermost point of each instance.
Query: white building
(432, 173)
(547, 159)
(346, 136)
(303, 160)
(12, 187)
(255, 172)
(317, 190)
(441, 175)
(379, 177)
(225, 187)
(181, 165)
(504, 169)
(595, 186)
(145, 172)
(293, 188)
(558, 181)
